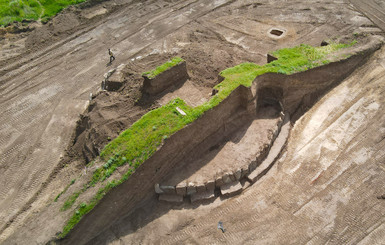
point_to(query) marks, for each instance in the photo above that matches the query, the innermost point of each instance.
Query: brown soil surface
(46, 77)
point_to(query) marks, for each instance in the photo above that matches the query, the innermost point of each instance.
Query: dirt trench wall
(174, 76)
(298, 92)
(205, 131)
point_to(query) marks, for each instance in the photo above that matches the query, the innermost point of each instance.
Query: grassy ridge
(18, 10)
(133, 147)
(153, 73)
(141, 140)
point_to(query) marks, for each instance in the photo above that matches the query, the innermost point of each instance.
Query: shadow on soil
(151, 209)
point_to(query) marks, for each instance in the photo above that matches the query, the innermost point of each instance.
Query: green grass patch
(18, 10)
(65, 189)
(70, 201)
(142, 139)
(173, 62)
(290, 60)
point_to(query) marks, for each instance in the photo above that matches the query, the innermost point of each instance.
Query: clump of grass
(142, 139)
(86, 208)
(290, 60)
(65, 189)
(173, 62)
(68, 203)
(18, 10)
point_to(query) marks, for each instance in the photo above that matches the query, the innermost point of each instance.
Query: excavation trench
(202, 145)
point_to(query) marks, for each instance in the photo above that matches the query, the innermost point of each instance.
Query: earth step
(200, 196)
(113, 79)
(278, 145)
(231, 189)
(171, 198)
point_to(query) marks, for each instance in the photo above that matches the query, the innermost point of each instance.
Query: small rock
(226, 178)
(245, 171)
(181, 111)
(210, 185)
(252, 166)
(324, 43)
(191, 189)
(238, 174)
(201, 188)
(232, 177)
(219, 182)
(206, 195)
(181, 189)
(157, 189)
(168, 189)
(231, 189)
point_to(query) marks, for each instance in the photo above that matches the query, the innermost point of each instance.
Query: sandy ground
(46, 78)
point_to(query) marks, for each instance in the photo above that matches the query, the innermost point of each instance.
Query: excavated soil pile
(109, 113)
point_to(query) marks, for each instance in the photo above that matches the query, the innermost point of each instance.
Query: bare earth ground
(325, 187)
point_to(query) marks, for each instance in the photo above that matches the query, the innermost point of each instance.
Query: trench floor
(234, 152)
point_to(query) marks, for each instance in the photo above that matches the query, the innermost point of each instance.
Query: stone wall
(190, 190)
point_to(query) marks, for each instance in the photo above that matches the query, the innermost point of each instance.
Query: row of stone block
(223, 181)
(230, 189)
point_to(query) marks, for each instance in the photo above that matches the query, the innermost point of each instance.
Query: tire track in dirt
(236, 203)
(37, 173)
(43, 57)
(24, 165)
(27, 165)
(372, 10)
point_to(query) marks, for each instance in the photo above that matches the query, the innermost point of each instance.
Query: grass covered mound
(153, 73)
(138, 143)
(18, 10)
(290, 60)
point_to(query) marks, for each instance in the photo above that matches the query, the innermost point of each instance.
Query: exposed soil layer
(235, 151)
(324, 189)
(298, 90)
(47, 76)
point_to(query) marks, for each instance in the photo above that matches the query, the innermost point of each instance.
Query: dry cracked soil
(323, 189)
